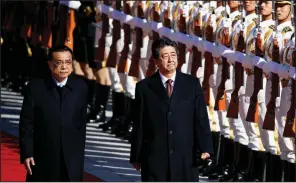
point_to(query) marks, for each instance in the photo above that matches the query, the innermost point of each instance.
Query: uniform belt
(249, 72)
(285, 82)
(218, 61)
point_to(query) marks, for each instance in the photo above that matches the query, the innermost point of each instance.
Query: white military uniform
(114, 77)
(259, 139)
(287, 145)
(225, 24)
(284, 32)
(229, 123)
(240, 126)
(194, 14)
(183, 8)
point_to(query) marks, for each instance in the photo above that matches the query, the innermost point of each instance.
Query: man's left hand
(205, 155)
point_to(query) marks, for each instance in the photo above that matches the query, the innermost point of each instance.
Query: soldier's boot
(242, 164)
(289, 171)
(231, 156)
(274, 168)
(101, 99)
(216, 172)
(117, 109)
(257, 165)
(90, 95)
(124, 128)
(212, 162)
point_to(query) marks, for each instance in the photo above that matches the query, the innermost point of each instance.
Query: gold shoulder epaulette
(271, 27)
(286, 29)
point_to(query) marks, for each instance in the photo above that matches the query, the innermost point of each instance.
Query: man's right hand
(137, 166)
(28, 163)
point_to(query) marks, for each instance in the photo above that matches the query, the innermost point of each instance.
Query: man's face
(265, 7)
(168, 60)
(282, 11)
(61, 65)
(249, 5)
(233, 4)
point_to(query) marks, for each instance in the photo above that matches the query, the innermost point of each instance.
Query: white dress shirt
(164, 79)
(60, 84)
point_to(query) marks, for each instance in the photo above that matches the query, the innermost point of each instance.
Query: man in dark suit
(171, 125)
(53, 122)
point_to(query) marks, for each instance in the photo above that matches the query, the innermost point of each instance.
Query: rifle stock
(209, 65)
(233, 108)
(289, 130)
(181, 46)
(269, 120)
(101, 55)
(252, 114)
(220, 101)
(127, 40)
(136, 56)
(151, 66)
(196, 55)
(112, 58)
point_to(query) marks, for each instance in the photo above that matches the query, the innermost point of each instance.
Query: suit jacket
(49, 123)
(168, 132)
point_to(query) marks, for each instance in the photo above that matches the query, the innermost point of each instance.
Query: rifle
(166, 20)
(135, 61)
(181, 46)
(127, 40)
(252, 114)
(156, 18)
(269, 120)
(112, 58)
(209, 61)
(196, 55)
(71, 24)
(290, 118)
(220, 101)
(47, 33)
(102, 41)
(233, 108)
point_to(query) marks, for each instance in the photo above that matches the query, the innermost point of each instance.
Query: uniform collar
(283, 25)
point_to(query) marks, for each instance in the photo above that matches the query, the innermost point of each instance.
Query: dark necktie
(169, 87)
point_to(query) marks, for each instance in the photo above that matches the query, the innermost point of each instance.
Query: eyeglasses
(59, 63)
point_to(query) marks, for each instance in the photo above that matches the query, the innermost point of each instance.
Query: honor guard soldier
(103, 72)
(260, 140)
(228, 145)
(83, 44)
(285, 10)
(237, 107)
(279, 90)
(289, 60)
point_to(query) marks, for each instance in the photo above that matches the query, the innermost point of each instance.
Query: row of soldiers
(251, 109)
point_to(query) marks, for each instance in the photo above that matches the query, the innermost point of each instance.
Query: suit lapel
(52, 87)
(177, 89)
(157, 86)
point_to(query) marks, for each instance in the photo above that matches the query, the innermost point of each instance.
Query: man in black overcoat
(171, 124)
(53, 122)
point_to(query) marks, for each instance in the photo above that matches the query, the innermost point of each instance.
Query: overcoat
(168, 133)
(49, 123)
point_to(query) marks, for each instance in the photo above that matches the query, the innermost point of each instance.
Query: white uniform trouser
(255, 142)
(239, 125)
(223, 120)
(114, 76)
(213, 115)
(185, 66)
(286, 144)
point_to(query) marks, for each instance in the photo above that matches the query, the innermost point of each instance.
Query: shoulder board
(254, 19)
(271, 27)
(237, 17)
(286, 29)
